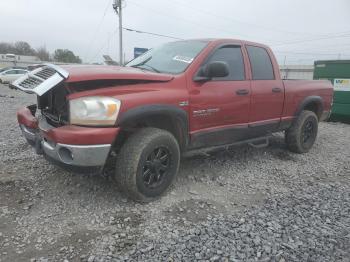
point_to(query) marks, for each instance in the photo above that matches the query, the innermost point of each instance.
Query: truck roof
(225, 40)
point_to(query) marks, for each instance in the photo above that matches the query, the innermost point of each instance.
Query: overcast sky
(300, 30)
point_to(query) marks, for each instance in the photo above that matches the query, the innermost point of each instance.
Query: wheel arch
(167, 117)
(311, 103)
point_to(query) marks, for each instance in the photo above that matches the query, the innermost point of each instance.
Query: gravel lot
(239, 204)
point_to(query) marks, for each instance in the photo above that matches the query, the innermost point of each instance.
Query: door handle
(242, 92)
(276, 90)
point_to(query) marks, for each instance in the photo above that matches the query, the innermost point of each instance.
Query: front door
(219, 107)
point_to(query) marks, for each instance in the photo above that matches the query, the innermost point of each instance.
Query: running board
(252, 142)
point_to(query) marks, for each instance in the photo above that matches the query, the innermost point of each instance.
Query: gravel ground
(239, 204)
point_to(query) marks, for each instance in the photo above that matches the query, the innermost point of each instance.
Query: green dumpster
(338, 72)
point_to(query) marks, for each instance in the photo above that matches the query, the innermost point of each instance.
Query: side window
(232, 55)
(260, 63)
(11, 72)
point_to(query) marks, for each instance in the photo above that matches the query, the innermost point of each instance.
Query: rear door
(267, 91)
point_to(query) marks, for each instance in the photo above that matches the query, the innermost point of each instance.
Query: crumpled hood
(41, 80)
(78, 73)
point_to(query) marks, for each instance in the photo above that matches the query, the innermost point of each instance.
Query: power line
(278, 52)
(242, 22)
(345, 34)
(223, 30)
(104, 45)
(331, 48)
(182, 19)
(150, 33)
(97, 28)
(306, 53)
(131, 30)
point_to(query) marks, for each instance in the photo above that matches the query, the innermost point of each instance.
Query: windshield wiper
(142, 63)
(150, 67)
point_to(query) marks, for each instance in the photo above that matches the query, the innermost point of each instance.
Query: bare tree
(23, 48)
(43, 54)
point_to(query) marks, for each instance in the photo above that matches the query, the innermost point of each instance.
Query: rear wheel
(147, 164)
(301, 136)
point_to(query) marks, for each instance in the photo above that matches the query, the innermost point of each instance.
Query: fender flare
(179, 115)
(308, 100)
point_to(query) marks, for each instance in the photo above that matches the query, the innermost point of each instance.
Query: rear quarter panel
(296, 91)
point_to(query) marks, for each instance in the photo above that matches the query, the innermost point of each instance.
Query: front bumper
(77, 149)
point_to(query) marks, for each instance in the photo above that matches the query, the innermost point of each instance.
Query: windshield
(172, 58)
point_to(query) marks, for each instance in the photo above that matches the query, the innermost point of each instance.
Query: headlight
(94, 110)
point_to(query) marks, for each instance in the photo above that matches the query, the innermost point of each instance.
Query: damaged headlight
(94, 111)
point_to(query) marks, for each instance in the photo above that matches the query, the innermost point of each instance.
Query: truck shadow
(202, 164)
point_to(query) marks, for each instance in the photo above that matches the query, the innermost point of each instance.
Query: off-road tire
(295, 135)
(131, 161)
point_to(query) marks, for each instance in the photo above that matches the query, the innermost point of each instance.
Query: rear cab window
(260, 63)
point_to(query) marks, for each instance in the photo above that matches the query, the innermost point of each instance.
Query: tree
(18, 48)
(43, 54)
(66, 56)
(23, 48)
(6, 48)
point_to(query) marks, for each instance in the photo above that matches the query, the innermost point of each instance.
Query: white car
(10, 75)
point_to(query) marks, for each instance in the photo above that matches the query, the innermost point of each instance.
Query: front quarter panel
(172, 93)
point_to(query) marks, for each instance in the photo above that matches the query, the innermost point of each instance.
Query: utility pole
(117, 6)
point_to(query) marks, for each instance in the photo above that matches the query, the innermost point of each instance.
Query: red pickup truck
(178, 97)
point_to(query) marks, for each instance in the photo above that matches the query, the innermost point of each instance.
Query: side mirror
(212, 70)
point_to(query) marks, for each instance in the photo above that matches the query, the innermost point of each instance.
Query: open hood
(43, 79)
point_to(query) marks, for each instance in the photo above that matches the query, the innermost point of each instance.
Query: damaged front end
(47, 128)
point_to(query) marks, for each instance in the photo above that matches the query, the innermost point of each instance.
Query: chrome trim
(27, 133)
(44, 84)
(183, 103)
(83, 155)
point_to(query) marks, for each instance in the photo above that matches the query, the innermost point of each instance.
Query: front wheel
(301, 136)
(147, 164)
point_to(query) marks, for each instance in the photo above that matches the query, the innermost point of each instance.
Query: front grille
(54, 105)
(45, 73)
(30, 83)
